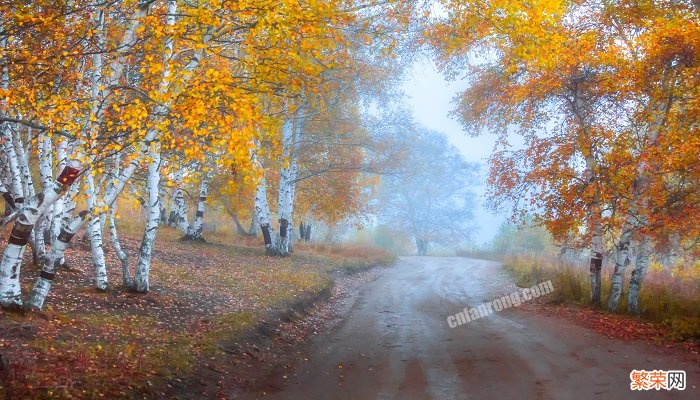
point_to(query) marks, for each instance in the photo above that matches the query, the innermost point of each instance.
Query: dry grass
(668, 297)
(349, 257)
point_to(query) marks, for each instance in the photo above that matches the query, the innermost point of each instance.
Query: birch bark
(59, 206)
(114, 190)
(36, 243)
(10, 266)
(262, 208)
(141, 277)
(640, 269)
(96, 243)
(98, 93)
(635, 214)
(143, 266)
(198, 223)
(284, 195)
(6, 138)
(180, 204)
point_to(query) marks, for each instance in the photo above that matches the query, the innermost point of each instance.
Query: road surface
(396, 344)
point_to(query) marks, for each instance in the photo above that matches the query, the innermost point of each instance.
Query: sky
(430, 96)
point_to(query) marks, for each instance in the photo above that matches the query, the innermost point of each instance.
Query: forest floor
(215, 320)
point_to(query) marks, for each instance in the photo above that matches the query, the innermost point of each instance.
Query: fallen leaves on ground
(615, 326)
(117, 344)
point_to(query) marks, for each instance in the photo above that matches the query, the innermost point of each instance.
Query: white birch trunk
(638, 273)
(114, 237)
(181, 211)
(180, 204)
(198, 223)
(284, 211)
(581, 112)
(262, 209)
(596, 263)
(143, 266)
(284, 195)
(638, 203)
(59, 206)
(4, 168)
(163, 216)
(96, 242)
(36, 242)
(621, 262)
(23, 159)
(597, 246)
(46, 175)
(117, 246)
(55, 257)
(13, 165)
(293, 171)
(51, 263)
(6, 136)
(10, 266)
(114, 190)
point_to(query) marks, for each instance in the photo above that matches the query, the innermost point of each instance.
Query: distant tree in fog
(429, 195)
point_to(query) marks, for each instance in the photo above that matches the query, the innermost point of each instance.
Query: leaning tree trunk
(640, 269)
(635, 217)
(118, 68)
(630, 225)
(114, 236)
(52, 262)
(72, 226)
(239, 227)
(117, 246)
(253, 228)
(10, 267)
(10, 290)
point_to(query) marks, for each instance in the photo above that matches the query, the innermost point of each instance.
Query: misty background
(429, 96)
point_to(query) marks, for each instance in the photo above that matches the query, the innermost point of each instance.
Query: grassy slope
(117, 343)
(670, 298)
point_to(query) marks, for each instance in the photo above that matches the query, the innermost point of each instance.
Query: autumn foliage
(604, 99)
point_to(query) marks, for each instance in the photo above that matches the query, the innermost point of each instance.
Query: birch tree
(138, 82)
(591, 155)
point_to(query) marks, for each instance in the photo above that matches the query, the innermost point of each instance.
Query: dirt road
(396, 344)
